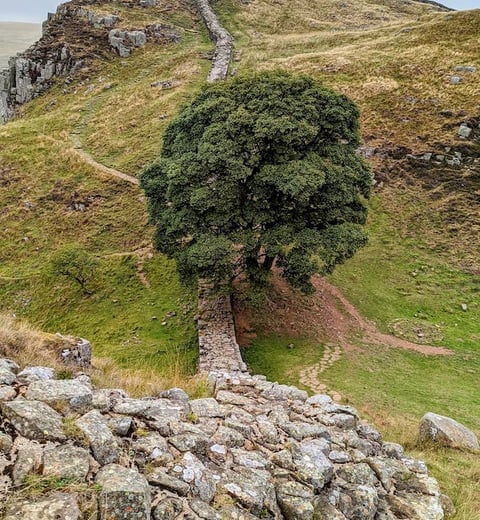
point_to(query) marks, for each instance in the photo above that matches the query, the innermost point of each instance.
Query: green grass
(395, 277)
(271, 356)
(412, 230)
(122, 317)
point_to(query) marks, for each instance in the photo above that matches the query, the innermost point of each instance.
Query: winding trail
(326, 315)
(142, 253)
(78, 147)
(309, 376)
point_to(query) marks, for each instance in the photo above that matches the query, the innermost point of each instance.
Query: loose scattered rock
(70, 391)
(34, 420)
(59, 506)
(256, 449)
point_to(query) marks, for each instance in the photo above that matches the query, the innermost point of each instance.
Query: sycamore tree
(257, 172)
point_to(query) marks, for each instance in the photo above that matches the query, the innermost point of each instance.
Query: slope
(398, 60)
(139, 316)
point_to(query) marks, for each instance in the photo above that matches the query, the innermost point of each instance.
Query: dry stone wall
(254, 450)
(218, 347)
(223, 42)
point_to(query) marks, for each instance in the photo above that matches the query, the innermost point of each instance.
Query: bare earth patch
(327, 316)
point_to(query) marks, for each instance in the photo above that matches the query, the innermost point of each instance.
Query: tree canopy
(260, 171)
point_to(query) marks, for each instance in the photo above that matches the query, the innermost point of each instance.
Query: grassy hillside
(420, 271)
(138, 316)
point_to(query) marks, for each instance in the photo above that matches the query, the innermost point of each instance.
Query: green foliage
(76, 264)
(258, 169)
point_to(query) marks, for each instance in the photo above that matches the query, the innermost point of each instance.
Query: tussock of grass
(26, 344)
(142, 382)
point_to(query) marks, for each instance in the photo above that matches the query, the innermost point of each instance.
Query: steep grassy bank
(138, 315)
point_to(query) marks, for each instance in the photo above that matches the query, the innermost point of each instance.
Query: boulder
(313, 467)
(6, 443)
(125, 494)
(7, 393)
(70, 391)
(30, 374)
(464, 131)
(252, 488)
(9, 364)
(154, 447)
(66, 462)
(104, 446)
(295, 500)
(206, 407)
(28, 460)
(159, 477)
(446, 432)
(7, 377)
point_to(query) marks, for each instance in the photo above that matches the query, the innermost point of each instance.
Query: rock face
(255, 449)
(447, 432)
(124, 41)
(70, 37)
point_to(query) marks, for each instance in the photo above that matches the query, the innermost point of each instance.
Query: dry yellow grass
(457, 470)
(29, 346)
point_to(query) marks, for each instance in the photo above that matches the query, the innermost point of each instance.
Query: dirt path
(78, 147)
(309, 376)
(143, 253)
(328, 316)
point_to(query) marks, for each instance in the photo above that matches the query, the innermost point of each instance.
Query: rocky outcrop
(124, 41)
(223, 42)
(444, 431)
(65, 46)
(255, 449)
(71, 37)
